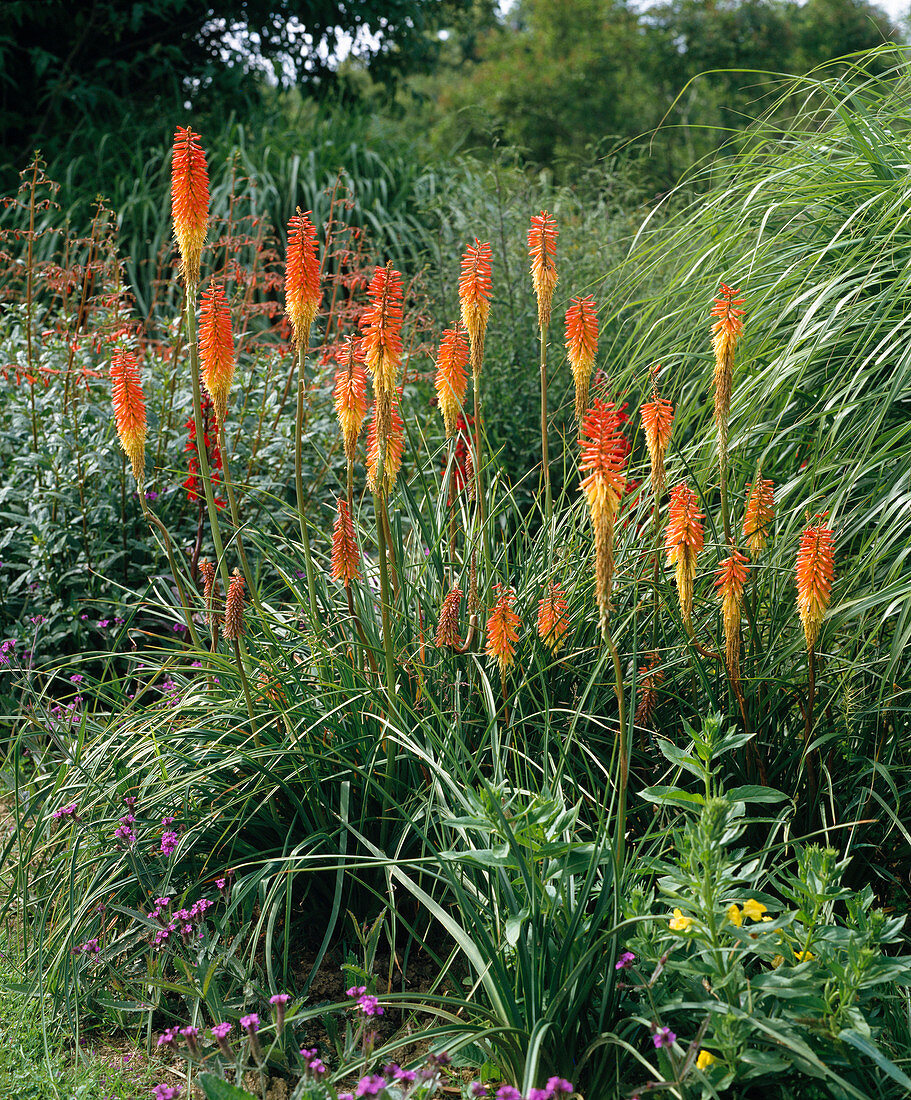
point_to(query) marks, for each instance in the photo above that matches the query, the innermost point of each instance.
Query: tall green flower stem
(239, 658)
(156, 524)
(299, 477)
(190, 299)
(810, 757)
(481, 511)
(379, 503)
(622, 745)
(545, 463)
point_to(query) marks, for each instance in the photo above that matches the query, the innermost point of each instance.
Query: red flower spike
(553, 619)
(216, 348)
(451, 380)
(657, 420)
(542, 248)
(581, 347)
(129, 409)
(474, 299)
(345, 563)
(447, 634)
(815, 573)
(683, 540)
(350, 396)
(731, 578)
(378, 481)
(189, 201)
(302, 292)
(503, 630)
(759, 513)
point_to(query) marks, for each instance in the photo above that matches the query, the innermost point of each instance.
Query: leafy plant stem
(299, 478)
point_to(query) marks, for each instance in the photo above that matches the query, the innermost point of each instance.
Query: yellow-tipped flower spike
(474, 300)
(657, 420)
(302, 293)
(726, 333)
(581, 347)
(350, 396)
(604, 458)
(346, 557)
(542, 248)
(731, 577)
(503, 630)
(234, 608)
(759, 513)
(216, 348)
(553, 619)
(683, 540)
(451, 380)
(447, 634)
(129, 410)
(189, 201)
(382, 482)
(815, 573)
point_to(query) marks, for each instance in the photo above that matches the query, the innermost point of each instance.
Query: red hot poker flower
(553, 619)
(216, 348)
(129, 409)
(542, 248)
(815, 572)
(581, 347)
(503, 630)
(731, 578)
(382, 481)
(447, 634)
(189, 200)
(759, 513)
(726, 333)
(657, 420)
(302, 292)
(234, 608)
(474, 298)
(350, 395)
(683, 540)
(381, 324)
(346, 558)
(451, 380)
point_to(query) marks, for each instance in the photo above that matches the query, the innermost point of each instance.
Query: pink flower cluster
(366, 1002)
(184, 921)
(557, 1088)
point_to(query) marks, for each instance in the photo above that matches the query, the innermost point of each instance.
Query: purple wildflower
(166, 1092)
(221, 1032)
(355, 991)
(76, 678)
(369, 1005)
(279, 1002)
(625, 961)
(370, 1086)
(191, 1036)
(477, 1090)
(65, 811)
(507, 1092)
(663, 1037)
(168, 1038)
(558, 1087)
(168, 843)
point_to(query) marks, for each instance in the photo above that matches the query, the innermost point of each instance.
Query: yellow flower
(754, 910)
(777, 961)
(804, 956)
(705, 1059)
(680, 923)
(735, 916)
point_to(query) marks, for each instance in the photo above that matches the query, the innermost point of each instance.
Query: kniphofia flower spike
(759, 513)
(474, 299)
(683, 540)
(657, 420)
(581, 347)
(731, 577)
(726, 333)
(129, 410)
(604, 454)
(503, 630)
(542, 247)
(447, 634)
(189, 201)
(451, 380)
(815, 573)
(216, 348)
(345, 555)
(234, 608)
(350, 395)
(553, 618)
(302, 292)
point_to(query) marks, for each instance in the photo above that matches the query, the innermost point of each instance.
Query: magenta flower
(250, 1023)
(168, 1038)
(221, 1033)
(369, 1005)
(370, 1086)
(663, 1037)
(190, 1036)
(166, 1092)
(168, 843)
(558, 1087)
(477, 1090)
(625, 961)
(279, 1002)
(507, 1092)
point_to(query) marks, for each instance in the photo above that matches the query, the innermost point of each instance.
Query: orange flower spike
(234, 609)
(581, 347)
(503, 630)
(381, 325)
(604, 456)
(216, 348)
(731, 578)
(189, 201)
(302, 291)
(553, 620)
(657, 420)
(474, 298)
(815, 572)
(129, 409)
(395, 445)
(759, 513)
(448, 627)
(451, 379)
(542, 248)
(726, 333)
(345, 562)
(683, 540)
(350, 396)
